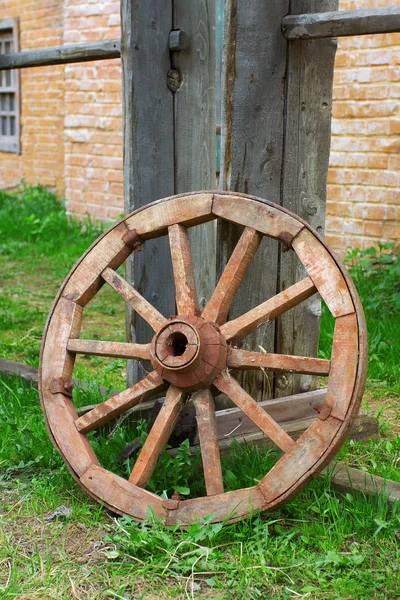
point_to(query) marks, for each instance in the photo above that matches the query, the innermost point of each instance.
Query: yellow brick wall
(363, 184)
(42, 99)
(93, 114)
(72, 121)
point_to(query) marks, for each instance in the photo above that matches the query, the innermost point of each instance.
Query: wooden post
(168, 65)
(254, 65)
(304, 174)
(275, 144)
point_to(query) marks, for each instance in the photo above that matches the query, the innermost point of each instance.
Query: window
(9, 91)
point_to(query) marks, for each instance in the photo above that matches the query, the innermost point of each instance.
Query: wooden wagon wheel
(192, 355)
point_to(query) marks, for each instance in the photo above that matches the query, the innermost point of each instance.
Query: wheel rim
(193, 353)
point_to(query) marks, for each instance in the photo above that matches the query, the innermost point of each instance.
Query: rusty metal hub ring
(194, 355)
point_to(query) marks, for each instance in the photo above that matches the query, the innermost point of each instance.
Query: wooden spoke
(118, 404)
(185, 286)
(115, 349)
(158, 437)
(132, 297)
(218, 307)
(269, 310)
(208, 436)
(243, 359)
(229, 386)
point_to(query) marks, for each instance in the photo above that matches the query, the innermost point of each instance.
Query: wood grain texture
(194, 126)
(186, 209)
(120, 495)
(120, 403)
(85, 280)
(244, 359)
(363, 21)
(220, 302)
(268, 310)
(261, 216)
(252, 145)
(71, 444)
(158, 437)
(228, 507)
(56, 361)
(309, 79)
(229, 386)
(344, 365)
(148, 141)
(59, 55)
(115, 349)
(185, 285)
(296, 463)
(134, 299)
(322, 269)
(208, 438)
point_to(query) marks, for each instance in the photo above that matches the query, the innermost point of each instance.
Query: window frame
(10, 143)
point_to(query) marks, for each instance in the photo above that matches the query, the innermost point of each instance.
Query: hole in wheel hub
(176, 344)
(189, 352)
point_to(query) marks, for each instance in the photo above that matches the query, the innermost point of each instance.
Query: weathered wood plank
(254, 65)
(220, 302)
(134, 299)
(148, 138)
(114, 349)
(363, 21)
(324, 272)
(229, 386)
(349, 480)
(344, 362)
(111, 408)
(305, 167)
(268, 310)
(185, 286)
(245, 359)
(195, 123)
(120, 495)
(208, 438)
(60, 55)
(158, 437)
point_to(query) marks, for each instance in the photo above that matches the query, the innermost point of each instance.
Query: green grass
(38, 247)
(318, 546)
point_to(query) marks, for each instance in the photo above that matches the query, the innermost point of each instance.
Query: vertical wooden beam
(148, 131)
(169, 136)
(195, 126)
(305, 167)
(254, 64)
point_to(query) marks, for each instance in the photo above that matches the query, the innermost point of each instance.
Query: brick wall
(93, 114)
(363, 183)
(72, 121)
(42, 94)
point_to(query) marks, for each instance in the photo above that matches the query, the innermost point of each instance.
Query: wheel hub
(189, 352)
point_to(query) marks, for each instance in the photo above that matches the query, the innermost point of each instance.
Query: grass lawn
(318, 546)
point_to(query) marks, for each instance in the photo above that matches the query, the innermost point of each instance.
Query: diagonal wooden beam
(220, 302)
(158, 437)
(269, 310)
(134, 299)
(120, 403)
(229, 386)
